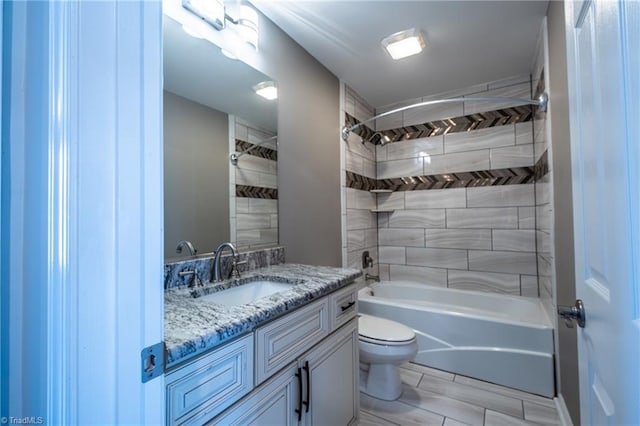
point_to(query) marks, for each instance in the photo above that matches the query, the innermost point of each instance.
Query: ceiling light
(266, 89)
(211, 11)
(403, 44)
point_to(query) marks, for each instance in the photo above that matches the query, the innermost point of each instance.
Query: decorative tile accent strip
(357, 181)
(260, 151)
(363, 131)
(247, 191)
(465, 123)
(496, 177)
(542, 166)
(481, 120)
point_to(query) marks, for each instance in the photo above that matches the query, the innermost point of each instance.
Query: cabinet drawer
(281, 341)
(343, 305)
(202, 389)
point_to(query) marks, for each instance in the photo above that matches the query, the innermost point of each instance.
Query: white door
(603, 75)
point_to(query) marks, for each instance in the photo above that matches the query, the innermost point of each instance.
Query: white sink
(247, 293)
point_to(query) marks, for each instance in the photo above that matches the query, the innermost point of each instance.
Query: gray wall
(308, 151)
(196, 175)
(565, 278)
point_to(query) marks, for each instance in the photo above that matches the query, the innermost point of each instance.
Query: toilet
(383, 346)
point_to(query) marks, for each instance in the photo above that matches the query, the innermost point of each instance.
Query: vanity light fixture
(404, 43)
(211, 11)
(267, 89)
(214, 13)
(247, 26)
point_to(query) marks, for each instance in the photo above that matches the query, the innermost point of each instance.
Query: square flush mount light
(267, 89)
(211, 11)
(404, 43)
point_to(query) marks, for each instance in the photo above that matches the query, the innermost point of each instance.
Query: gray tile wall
(470, 238)
(544, 207)
(254, 221)
(360, 231)
(481, 239)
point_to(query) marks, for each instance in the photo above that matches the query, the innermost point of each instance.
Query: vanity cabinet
(320, 388)
(299, 369)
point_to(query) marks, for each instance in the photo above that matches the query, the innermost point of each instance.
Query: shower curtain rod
(234, 157)
(541, 102)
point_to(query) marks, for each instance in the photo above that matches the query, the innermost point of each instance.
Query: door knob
(573, 313)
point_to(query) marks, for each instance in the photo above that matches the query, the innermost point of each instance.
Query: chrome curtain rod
(541, 102)
(234, 157)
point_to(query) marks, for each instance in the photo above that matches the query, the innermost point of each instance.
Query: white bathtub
(501, 339)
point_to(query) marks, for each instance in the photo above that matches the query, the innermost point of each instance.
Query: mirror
(211, 111)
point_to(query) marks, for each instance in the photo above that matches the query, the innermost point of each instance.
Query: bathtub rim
(367, 294)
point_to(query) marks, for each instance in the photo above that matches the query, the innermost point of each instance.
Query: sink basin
(247, 293)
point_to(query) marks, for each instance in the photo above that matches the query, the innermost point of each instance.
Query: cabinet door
(273, 403)
(333, 386)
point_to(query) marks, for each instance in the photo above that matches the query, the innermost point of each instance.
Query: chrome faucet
(188, 245)
(216, 267)
(368, 277)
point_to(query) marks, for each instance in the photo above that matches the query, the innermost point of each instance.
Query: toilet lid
(381, 329)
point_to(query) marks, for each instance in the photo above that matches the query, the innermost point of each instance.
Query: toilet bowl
(383, 345)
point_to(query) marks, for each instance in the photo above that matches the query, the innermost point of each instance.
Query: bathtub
(507, 340)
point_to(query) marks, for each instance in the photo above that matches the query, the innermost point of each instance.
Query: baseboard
(563, 411)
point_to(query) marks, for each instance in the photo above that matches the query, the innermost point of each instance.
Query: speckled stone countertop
(193, 325)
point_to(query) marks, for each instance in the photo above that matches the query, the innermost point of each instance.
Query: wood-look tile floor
(434, 397)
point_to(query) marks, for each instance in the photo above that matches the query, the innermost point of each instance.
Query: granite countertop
(192, 325)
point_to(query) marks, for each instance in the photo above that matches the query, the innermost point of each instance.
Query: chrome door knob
(573, 313)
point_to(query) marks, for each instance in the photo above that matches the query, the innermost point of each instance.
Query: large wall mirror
(210, 111)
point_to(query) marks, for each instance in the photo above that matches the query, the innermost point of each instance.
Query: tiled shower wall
(544, 184)
(480, 235)
(476, 238)
(360, 231)
(254, 187)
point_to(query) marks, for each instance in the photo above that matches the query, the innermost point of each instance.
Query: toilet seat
(382, 331)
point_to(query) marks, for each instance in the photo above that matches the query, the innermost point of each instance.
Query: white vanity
(293, 360)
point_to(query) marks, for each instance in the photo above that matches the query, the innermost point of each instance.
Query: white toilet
(383, 345)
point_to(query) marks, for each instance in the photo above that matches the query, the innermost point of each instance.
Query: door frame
(82, 274)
